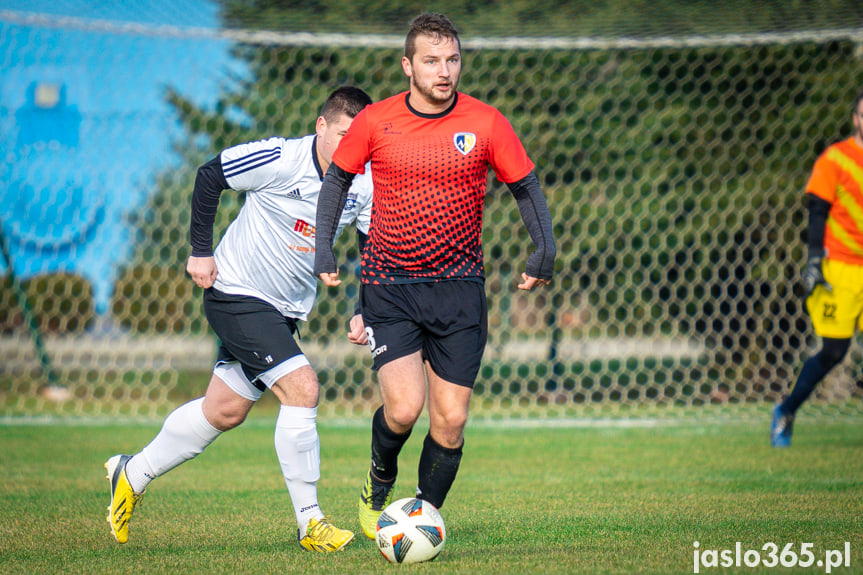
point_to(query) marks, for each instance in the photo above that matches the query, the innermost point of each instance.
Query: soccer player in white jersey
(257, 285)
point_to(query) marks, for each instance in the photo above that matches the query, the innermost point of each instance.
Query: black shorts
(447, 320)
(251, 331)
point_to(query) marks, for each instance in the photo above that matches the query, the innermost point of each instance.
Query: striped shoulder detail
(251, 161)
(846, 162)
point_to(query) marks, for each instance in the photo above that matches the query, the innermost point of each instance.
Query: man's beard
(428, 92)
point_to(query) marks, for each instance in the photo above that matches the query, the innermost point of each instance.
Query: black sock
(814, 370)
(810, 376)
(437, 470)
(386, 446)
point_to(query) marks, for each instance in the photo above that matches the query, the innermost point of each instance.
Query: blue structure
(84, 126)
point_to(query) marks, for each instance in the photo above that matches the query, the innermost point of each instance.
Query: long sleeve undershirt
(209, 184)
(331, 203)
(819, 209)
(534, 212)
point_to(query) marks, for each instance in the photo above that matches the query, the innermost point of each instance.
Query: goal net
(673, 152)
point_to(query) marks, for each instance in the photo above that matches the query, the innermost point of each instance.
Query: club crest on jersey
(464, 142)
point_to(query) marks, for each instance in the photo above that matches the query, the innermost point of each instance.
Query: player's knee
(299, 388)
(225, 411)
(456, 421)
(448, 428)
(308, 391)
(402, 417)
(226, 417)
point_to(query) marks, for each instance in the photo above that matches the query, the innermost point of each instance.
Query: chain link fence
(674, 169)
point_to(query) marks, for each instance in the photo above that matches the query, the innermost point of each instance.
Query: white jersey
(268, 251)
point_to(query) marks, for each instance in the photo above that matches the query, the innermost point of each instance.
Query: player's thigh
(403, 389)
(835, 313)
(448, 410)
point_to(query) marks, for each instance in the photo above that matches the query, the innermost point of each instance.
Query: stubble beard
(428, 92)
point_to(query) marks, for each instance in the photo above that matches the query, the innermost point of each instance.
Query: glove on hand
(813, 275)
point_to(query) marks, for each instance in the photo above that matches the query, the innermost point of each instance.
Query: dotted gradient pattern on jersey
(425, 228)
(430, 175)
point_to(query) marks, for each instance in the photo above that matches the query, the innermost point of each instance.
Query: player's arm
(331, 203)
(537, 219)
(209, 183)
(819, 210)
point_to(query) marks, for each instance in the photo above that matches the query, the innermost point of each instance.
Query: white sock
(299, 452)
(184, 435)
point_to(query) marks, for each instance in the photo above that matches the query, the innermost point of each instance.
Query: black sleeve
(209, 184)
(819, 209)
(361, 242)
(537, 219)
(331, 204)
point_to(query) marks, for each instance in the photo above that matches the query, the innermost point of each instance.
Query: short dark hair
(857, 102)
(347, 100)
(430, 24)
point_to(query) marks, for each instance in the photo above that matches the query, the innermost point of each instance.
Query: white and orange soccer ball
(410, 530)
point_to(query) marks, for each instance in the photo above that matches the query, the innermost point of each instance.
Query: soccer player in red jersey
(833, 275)
(422, 294)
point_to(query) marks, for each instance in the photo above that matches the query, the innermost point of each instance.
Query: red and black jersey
(430, 174)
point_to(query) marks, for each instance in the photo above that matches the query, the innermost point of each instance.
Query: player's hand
(529, 282)
(357, 331)
(813, 275)
(330, 279)
(202, 270)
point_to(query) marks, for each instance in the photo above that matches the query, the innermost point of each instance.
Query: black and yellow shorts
(838, 312)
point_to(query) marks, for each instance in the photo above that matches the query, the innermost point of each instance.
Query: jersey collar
(315, 157)
(430, 116)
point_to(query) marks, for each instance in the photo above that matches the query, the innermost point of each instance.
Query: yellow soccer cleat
(123, 498)
(324, 537)
(374, 498)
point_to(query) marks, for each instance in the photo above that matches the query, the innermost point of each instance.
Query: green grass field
(592, 498)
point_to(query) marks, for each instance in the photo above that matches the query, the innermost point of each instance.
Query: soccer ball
(410, 530)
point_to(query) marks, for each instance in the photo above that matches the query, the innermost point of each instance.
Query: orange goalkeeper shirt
(838, 178)
(429, 174)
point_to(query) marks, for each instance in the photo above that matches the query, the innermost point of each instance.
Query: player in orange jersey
(833, 275)
(422, 293)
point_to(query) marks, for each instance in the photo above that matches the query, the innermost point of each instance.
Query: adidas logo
(294, 194)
